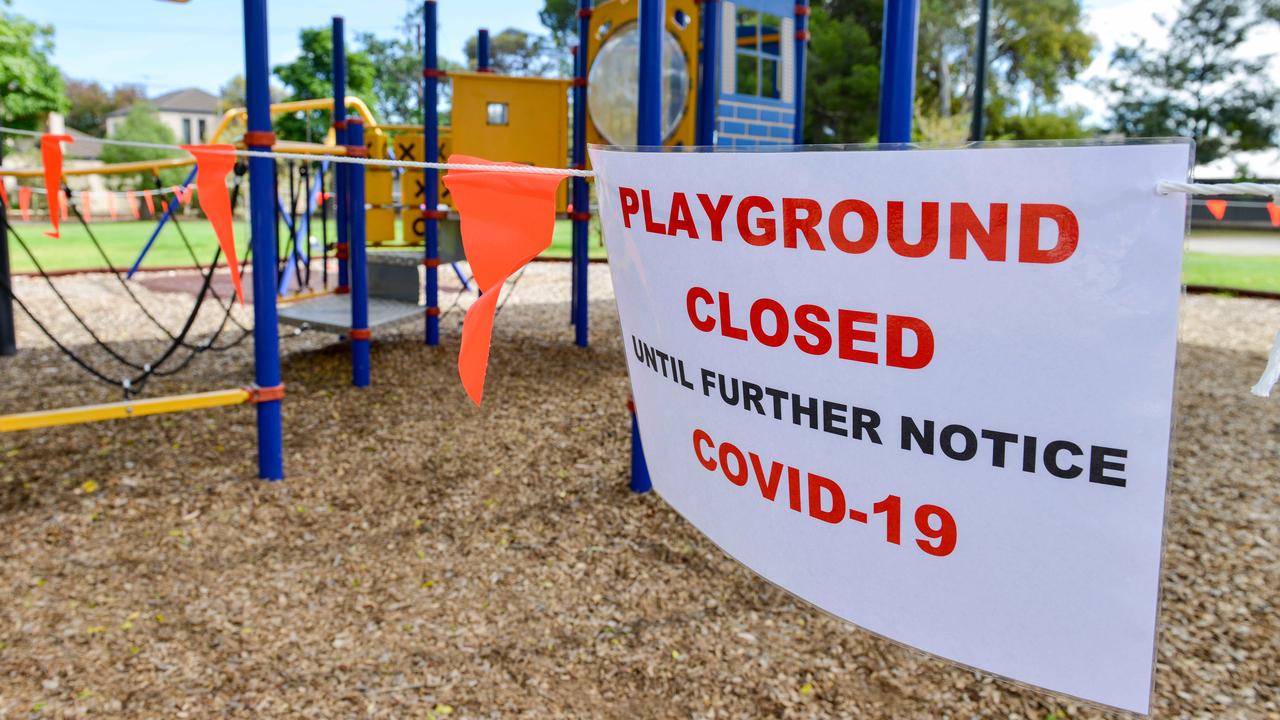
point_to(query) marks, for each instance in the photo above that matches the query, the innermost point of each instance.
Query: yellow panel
(380, 225)
(610, 16)
(377, 186)
(415, 232)
(413, 191)
(409, 147)
(376, 145)
(537, 120)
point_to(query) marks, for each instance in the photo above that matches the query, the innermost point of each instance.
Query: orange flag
(507, 220)
(184, 195)
(1273, 209)
(4, 194)
(24, 203)
(51, 156)
(132, 197)
(1217, 208)
(62, 201)
(111, 206)
(86, 205)
(213, 163)
(151, 206)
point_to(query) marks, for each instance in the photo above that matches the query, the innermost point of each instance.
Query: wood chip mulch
(426, 558)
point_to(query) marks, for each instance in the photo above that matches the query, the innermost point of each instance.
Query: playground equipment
(748, 67)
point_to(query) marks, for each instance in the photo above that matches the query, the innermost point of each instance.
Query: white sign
(926, 391)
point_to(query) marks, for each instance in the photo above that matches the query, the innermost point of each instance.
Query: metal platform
(333, 312)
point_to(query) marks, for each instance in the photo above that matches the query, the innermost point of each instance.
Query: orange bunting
(213, 163)
(4, 194)
(1273, 209)
(184, 195)
(111, 206)
(151, 205)
(63, 202)
(132, 197)
(1217, 208)
(51, 156)
(86, 206)
(24, 203)
(507, 220)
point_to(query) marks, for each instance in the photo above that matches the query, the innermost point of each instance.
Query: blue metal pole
(802, 45)
(648, 132)
(898, 70)
(640, 482)
(581, 194)
(649, 122)
(709, 93)
(359, 272)
(482, 51)
(168, 213)
(430, 153)
(262, 218)
(341, 173)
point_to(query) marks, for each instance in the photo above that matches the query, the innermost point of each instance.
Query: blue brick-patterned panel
(745, 123)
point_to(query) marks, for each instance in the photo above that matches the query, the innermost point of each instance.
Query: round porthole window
(613, 85)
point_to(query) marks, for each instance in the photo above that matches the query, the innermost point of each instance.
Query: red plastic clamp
(264, 394)
(259, 138)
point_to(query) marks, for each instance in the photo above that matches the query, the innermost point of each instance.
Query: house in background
(190, 113)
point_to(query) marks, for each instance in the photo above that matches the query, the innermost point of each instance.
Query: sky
(166, 46)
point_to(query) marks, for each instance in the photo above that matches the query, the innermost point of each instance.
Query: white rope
(1165, 187)
(376, 162)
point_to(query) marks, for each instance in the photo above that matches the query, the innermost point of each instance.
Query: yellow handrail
(123, 410)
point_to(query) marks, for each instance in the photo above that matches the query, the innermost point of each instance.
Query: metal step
(333, 313)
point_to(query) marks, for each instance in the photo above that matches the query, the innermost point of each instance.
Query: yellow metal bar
(299, 297)
(241, 115)
(122, 410)
(304, 148)
(117, 169)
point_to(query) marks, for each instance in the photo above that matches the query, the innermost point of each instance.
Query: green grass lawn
(122, 241)
(1234, 272)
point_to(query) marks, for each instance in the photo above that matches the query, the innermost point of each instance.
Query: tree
(142, 124)
(1035, 46)
(1199, 86)
(89, 104)
(560, 17)
(311, 76)
(232, 93)
(516, 52)
(397, 86)
(30, 85)
(842, 86)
